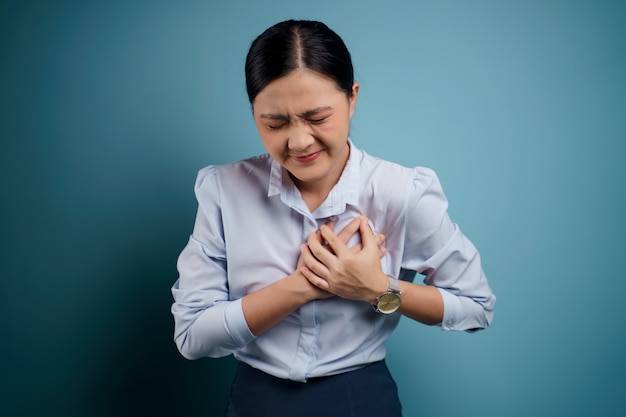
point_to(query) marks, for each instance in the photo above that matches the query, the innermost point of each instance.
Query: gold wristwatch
(390, 301)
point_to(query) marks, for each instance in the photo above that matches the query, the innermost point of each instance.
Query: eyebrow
(304, 115)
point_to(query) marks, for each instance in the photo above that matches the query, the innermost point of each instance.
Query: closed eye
(274, 121)
(317, 121)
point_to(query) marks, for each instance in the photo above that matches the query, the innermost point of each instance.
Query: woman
(301, 261)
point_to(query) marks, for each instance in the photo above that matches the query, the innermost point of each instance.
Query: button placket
(307, 340)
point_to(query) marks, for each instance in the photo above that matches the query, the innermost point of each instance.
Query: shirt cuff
(236, 324)
(452, 310)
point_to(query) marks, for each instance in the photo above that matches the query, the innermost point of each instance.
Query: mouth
(307, 158)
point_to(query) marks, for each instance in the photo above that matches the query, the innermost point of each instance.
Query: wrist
(301, 289)
(381, 287)
(389, 301)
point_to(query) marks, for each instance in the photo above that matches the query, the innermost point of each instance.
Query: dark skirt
(369, 391)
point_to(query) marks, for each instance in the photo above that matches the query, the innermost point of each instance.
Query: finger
(314, 279)
(320, 239)
(347, 232)
(367, 235)
(317, 256)
(334, 242)
(379, 239)
(368, 239)
(382, 251)
(307, 258)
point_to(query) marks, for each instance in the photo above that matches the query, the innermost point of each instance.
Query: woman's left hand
(353, 273)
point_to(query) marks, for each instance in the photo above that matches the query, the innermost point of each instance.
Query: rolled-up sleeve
(436, 247)
(206, 321)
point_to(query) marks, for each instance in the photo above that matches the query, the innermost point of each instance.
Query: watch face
(388, 302)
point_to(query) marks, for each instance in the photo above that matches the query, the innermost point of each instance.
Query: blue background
(108, 109)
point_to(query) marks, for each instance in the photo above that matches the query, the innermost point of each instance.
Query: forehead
(299, 90)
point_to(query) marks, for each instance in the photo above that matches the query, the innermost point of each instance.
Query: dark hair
(294, 44)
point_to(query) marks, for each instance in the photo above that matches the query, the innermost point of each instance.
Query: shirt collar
(346, 191)
(276, 179)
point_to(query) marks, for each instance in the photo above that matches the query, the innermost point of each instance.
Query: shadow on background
(138, 370)
(95, 333)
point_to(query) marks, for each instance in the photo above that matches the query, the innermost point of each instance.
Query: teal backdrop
(109, 108)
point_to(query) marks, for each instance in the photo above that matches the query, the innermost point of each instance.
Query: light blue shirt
(250, 224)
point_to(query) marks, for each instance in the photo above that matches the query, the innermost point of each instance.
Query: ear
(352, 99)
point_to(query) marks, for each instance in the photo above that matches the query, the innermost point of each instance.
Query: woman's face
(304, 121)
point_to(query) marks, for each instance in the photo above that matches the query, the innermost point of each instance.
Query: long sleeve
(436, 247)
(249, 227)
(207, 322)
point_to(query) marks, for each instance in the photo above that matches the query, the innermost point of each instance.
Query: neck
(314, 193)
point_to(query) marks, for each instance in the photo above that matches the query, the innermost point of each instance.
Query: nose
(300, 137)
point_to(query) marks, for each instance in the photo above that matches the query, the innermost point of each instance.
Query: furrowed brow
(314, 112)
(271, 116)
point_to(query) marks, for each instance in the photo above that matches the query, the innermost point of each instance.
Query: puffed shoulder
(426, 188)
(206, 176)
(424, 178)
(251, 170)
